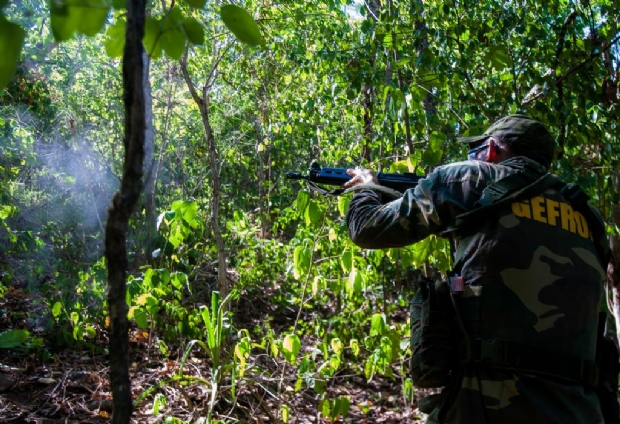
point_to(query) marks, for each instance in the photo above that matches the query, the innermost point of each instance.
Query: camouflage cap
(523, 134)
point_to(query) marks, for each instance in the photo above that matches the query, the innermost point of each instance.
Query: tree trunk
(150, 208)
(264, 161)
(222, 267)
(368, 90)
(202, 100)
(123, 205)
(401, 81)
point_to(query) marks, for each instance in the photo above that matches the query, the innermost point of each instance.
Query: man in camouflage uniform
(533, 279)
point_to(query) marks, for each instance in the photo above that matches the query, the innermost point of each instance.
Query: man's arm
(411, 218)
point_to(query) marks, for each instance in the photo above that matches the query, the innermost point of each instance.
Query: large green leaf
(11, 41)
(173, 43)
(240, 23)
(13, 338)
(64, 20)
(346, 260)
(291, 345)
(194, 31)
(302, 257)
(152, 37)
(378, 325)
(93, 16)
(115, 39)
(343, 204)
(312, 214)
(84, 16)
(303, 198)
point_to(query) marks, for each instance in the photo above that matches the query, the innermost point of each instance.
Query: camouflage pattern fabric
(532, 274)
(486, 395)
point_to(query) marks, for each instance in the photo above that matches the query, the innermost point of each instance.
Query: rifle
(338, 176)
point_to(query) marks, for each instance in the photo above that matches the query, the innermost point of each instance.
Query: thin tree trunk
(150, 207)
(264, 161)
(202, 100)
(368, 91)
(401, 83)
(123, 205)
(222, 266)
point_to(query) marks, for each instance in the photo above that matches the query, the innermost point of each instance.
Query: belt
(507, 354)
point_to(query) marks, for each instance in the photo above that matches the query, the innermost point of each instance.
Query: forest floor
(73, 386)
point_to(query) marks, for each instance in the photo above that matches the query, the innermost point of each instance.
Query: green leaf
(336, 345)
(355, 283)
(70, 16)
(240, 23)
(324, 408)
(93, 16)
(499, 57)
(115, 39)
(355, 346)
(13, 338)
(346, 260)
(386, 91)
(341, 407)
(378, 326)
(436, 140)
(312, 214)
(303, 198)
(428, 80)
(301, 261)
(119, 4)
(285, 413)
(194, 31)
(421, 251)
(290, 347)
(431, 157)
(64, 20)
(158, 402)
(140, 315)
(11, 42)
(343, 204)
(399, 99)
(56, 309)
(90, 331)
(7, 211)
(152, 37)
(173, 43)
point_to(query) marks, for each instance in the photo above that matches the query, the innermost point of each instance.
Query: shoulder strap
(507, 190)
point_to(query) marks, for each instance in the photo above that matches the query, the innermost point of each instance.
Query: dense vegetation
(242, 285)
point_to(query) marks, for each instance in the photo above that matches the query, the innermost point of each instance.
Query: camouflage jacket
(532, 276)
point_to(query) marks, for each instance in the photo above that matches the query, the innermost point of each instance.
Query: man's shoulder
(484, 171)
(471, 172)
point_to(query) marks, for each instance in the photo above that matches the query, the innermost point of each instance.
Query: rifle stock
(338, 176)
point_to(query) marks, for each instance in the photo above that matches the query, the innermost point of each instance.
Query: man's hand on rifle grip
(360, 176)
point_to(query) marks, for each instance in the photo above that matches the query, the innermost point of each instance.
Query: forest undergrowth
(71, 385)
